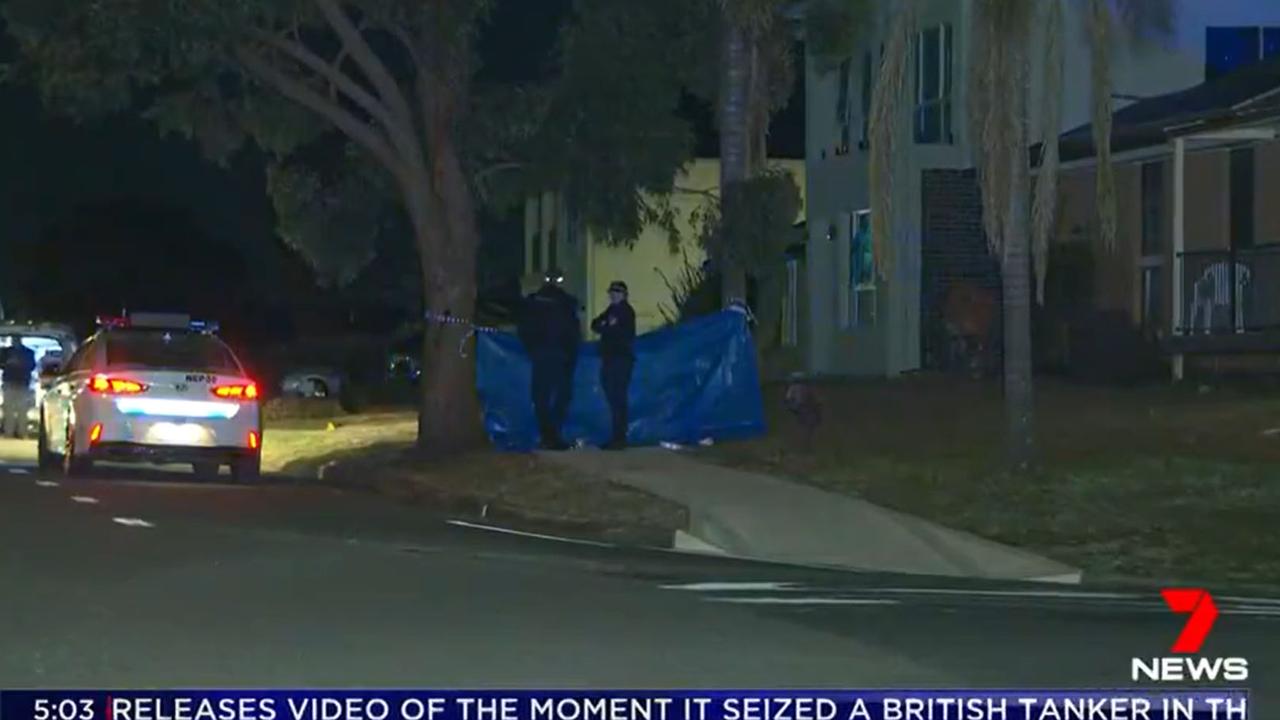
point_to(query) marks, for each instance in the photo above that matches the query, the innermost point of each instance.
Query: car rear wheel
(46, 461)
(246, 469)
(74, 466)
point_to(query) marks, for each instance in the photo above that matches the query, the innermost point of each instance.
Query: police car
(152, 388)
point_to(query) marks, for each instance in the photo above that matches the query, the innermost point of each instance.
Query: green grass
(374, 452)
(1150, 483)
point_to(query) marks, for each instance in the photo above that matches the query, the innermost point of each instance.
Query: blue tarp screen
(692, 381)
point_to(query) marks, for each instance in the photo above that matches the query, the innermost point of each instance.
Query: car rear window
(169, 351)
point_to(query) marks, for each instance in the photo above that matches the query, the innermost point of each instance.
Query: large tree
(617, 138)
(356, 100)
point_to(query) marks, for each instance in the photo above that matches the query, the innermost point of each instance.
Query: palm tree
(998, 123)
(1003, 33)
(754, 57)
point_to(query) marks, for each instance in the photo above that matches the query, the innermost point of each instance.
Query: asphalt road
(145, 579)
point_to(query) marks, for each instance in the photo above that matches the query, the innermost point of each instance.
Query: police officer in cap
(617, 329)
(550, 332)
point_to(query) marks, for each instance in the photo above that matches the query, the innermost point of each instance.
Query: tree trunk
(449, 412)
(1017, 286)
(447, 237)
(735, 145)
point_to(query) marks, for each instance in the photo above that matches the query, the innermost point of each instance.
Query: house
(651, 265)
(1197, 256)
(865, 320)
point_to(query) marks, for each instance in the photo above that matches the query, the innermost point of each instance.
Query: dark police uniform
(617, 329)
(19, 364)
(550, 332)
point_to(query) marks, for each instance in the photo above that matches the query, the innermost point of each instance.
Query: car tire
(246, 469)
(46, 461)
(74, 466)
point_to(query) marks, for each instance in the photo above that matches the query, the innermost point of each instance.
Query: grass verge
(374, 453)
(1134, 484)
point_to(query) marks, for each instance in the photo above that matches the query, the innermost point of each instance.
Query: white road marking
(46, 483)
(19, 471)
(132, 522)
(803, 601)
(1248, 600)
(540, 536)
(732, 587)
(84, 499)
(1067, 594)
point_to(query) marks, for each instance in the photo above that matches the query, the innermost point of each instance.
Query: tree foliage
(212, 71)
(300, 78)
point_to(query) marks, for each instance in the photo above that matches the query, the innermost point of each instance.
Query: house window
(1241, 193)
(1231, 48)
(1151, 264)
(842, 107)
(861, 311)
(791, 305)
(933, 86)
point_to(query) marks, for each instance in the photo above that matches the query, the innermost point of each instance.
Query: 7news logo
(1199, 606)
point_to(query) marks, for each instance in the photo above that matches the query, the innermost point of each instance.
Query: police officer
(550, 332)
(19, 364)
(617, 329)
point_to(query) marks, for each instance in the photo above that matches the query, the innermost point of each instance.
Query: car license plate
(178, 434)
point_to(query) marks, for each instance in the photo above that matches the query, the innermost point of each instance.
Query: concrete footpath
(752, 515)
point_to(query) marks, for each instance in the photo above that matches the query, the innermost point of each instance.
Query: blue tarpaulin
(692, 381)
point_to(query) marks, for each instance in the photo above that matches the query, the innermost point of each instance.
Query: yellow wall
(590, 266)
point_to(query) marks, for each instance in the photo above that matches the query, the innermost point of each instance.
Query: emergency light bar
(158, 321)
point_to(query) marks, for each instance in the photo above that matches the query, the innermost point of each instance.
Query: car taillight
(95, 433)
(115, 386)
(247, 391)
(254, 440)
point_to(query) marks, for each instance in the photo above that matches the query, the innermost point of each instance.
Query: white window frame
(791, 305)
(866, 291)
(946, 41)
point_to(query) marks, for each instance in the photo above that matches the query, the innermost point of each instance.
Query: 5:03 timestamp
(68, 709)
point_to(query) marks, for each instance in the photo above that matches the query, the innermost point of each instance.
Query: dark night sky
(61, 181)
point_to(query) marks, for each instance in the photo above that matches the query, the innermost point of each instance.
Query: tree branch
(695, 191)
(349, 124)
(369, 62)
(330, 72)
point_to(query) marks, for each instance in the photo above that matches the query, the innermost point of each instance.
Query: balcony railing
(1231, 291)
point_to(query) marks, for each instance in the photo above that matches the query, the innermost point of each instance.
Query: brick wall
(954, 248)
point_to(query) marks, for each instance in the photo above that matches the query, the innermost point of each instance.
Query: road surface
(145, 579)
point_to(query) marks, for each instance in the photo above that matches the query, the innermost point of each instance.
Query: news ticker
(1202, 704)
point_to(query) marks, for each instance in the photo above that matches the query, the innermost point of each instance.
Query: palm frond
(997, 75)
(1100, 46)
(887, 100)
(1046, 197)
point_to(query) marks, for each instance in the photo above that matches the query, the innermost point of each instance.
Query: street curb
(330, 474)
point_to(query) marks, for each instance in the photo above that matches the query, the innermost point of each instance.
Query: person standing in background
(616, 327)
(19, 364)
(550, 333)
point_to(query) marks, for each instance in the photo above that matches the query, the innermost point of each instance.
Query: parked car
(152, 388)
(317, 383)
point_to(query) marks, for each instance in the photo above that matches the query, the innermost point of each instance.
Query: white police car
(152, 388)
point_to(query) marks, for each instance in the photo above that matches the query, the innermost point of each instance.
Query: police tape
(450, 319)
